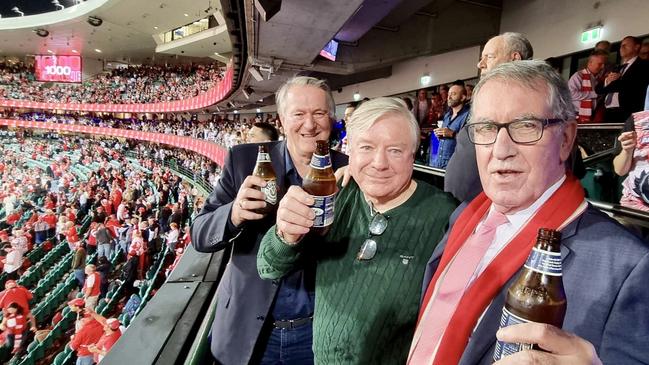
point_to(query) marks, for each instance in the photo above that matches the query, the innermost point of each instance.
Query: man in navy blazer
(258, 321)
(605, 267)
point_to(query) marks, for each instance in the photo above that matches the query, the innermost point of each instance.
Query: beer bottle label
(263, 157)
(324, 210)
(544, 262)
(506, 348)
(320, 162)
(270, 192)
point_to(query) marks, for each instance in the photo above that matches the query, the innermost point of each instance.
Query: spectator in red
(91, 241)
(14, 217)
(51, 220)
(91, 287)
(89, 331)
(111, 334)
(71, 235)
(15, 293)
(13, 326)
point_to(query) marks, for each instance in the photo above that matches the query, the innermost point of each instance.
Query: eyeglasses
(378, 225)
(527, 130)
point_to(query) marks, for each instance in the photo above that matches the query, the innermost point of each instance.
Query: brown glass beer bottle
(320, 182)
(537, 295)
(264, 169)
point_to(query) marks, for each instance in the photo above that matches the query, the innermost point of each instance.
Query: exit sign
(591, 35)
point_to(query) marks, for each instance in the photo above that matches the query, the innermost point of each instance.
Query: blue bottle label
(544, 262)
(324, 210)
(320, 162)
(506, 348)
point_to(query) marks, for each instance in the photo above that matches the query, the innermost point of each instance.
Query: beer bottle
(264, 169)
(320, 182)
(537, 295)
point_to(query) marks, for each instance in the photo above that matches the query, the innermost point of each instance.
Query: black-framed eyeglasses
(378, 225)
(525, 130)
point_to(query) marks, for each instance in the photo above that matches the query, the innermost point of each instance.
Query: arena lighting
(95, 21)
(357, 96)
(258, 110)
(255, 73)
(425, 79)
(41, 32)
(268, 8)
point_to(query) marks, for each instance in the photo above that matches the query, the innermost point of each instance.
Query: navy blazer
(605, 271)
(244, 300)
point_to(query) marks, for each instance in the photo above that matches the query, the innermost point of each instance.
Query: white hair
(369, 112)
(282, 93)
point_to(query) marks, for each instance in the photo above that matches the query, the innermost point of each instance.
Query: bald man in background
(462, 178)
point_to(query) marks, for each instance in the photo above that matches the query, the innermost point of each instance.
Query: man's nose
(504, 147)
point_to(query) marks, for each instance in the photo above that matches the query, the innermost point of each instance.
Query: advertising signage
(58, 68)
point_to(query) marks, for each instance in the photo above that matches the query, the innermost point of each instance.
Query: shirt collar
(629, 62)
(519, 218)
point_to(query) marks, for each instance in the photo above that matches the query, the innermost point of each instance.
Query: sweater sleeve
(275, 258)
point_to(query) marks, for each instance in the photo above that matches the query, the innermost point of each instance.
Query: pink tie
(440, 309)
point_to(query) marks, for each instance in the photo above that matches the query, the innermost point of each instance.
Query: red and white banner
(210, 97)
(208, 149)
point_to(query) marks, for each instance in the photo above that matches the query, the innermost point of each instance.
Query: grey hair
(530, 74)
(282, 93)
(517, 42)
(371, 111)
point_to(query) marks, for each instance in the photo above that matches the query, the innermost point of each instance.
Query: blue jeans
(80, 275)
(105, 249)
(85, 360)
(289, 346)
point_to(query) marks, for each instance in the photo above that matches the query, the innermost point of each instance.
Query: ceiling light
(236, 112)
(258, 110)
(97, 50)
(186, 14)
(216, 53)
(75, 51)
(261, 100)
(155, 27)
(49, 51)
(357, 96)
(425, 79)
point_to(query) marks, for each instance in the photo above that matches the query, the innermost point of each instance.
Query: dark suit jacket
(605, 271)
(244, 300)
(632, 86)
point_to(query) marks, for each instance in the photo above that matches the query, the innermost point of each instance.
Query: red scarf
(585, 105)
(555, 211)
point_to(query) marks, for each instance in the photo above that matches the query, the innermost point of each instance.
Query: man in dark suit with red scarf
(523, 126)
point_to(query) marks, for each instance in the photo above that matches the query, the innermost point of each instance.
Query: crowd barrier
(208, 149)
(210, 97)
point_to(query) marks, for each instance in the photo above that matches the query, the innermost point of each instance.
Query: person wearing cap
(88, 332)
(111, 334)
(91, 287)
(20, 295)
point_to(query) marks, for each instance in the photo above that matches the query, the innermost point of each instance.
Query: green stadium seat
(60, 358)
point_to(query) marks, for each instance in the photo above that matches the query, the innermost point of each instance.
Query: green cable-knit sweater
(365, 311)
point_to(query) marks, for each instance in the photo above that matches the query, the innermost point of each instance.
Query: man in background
(462, 178)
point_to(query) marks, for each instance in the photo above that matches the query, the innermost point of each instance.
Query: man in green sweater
(371, 263)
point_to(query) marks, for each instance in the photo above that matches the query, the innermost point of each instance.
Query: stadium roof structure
(129, 31)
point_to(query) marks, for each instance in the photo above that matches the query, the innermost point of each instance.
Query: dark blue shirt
(296, 294)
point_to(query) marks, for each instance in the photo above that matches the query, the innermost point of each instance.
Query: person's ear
(568, 135)
(515, 56)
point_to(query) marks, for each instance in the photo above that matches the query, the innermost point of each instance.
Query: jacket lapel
(278, 160)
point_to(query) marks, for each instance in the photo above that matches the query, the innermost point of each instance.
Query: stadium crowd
(114, 227)
(129, 85)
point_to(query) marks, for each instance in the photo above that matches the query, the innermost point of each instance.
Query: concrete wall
(91, 67)
(554, 27)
